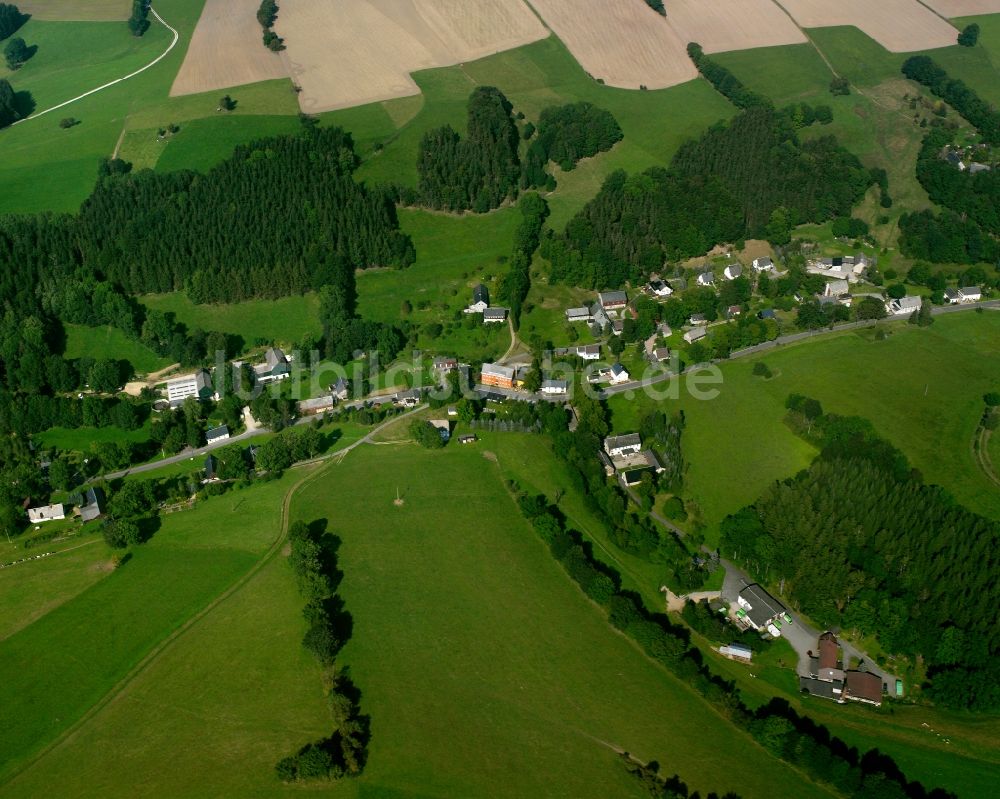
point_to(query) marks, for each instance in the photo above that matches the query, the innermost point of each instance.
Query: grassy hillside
(109, 342)
(114, 623)
(922, 388)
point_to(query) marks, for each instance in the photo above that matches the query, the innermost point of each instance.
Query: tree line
(795, 739)
(514, 286)
(312, 558)
(979, 113)
(11, 19)
(138, 21)
(483, 170)
(749, 177)
(724, 81)
(267, 15)
(861, 542)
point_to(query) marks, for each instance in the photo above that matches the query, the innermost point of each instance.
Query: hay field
(622, 42)
(964, 8)
(732, 24)
(76, 10)
(900, 26)
(226, 50)
(349, 52)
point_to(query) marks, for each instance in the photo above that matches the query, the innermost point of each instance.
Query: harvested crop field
(76, 10)
(964, 8)
(622, 42)
(227, 50)
(348, 52)
(900, 26)
(732, 24)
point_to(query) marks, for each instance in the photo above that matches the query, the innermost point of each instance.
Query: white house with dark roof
(275, 367)
(197, 385)
(759, 608)
(480, 300)
(216, 434)
(733, 271)
(763, 264)
(970, 294)
(444, 364)
(706, 279)
(620, 446)
(659, 288)
(904, 306)
(837, 288)
(619, 374)
(555, 387)
(581, 314)
(494, 315)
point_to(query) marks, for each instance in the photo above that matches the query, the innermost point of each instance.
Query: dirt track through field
(227, 50)
(900, 26)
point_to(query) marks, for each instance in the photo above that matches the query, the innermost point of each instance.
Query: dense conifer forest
(724, 186)
(565, 134)
(475, 173)
(859, 541)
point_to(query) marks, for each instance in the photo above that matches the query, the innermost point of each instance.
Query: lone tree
(969, 36)
(426, 434)
(138, 23)
(840, 86)
(11, 19)
(16, 52)
(227, 103)
(9, 113)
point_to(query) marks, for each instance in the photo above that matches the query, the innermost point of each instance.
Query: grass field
(978, 66)
(286, 321)
(109, 342)
(54, 669)
(75, 9)
(80, 439)
(921, 388)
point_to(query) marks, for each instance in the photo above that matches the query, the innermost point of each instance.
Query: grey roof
(275, 357)
(763, 606)
(340, 386)
(735, 269)
(765, 261)
(495, 313)
(561, 385)
(823, 688)
(967, 290)
(661, 353)
(909, 303)
(93, 504)
(573, 312)
(975, 168)
(481, 294)
(498, 370)
(706, 277)
(617, 369)
(217, 432)
(953, 294)
(612, 298)
(619, 442)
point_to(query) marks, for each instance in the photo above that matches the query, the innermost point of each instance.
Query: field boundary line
(152, 63)
(118, 689)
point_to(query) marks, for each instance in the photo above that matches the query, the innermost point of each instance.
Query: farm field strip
(900, 26)
(226, 50)
(732, 24)
(963, 8)
(353, 52)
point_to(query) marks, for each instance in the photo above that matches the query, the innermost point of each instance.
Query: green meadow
(109, 342)
(286, 321)
(921, 388)
(58, 667)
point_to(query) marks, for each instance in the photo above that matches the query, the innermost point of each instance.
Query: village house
(659, 288)
(970, 294)
(340, 390)
(612, 301)
(763, 264)
(863, 686)
(903, 306)
(837, 288)
(733, 271)
(494, 315)
(468, 438)
(698, 319)
(480, 300)
(619, 374)
(767, 313)
(706, 279)
(91, 504)
(555, 387)
(733, 311)
(275, 367)
(619, 446)
(695, 334)
(631, 477)
(760, 609)
(582, 314)
(494, 374)
(444, 364)
(617, 327)
(609, 467)
(736, 652)
(407, 399)
(660, 355)
(586, 352)
(47, 513)
(216, 434)
(197, 385)
(211, 470)
(314, 405)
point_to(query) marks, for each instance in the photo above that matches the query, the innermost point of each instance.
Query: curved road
(152, 63)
